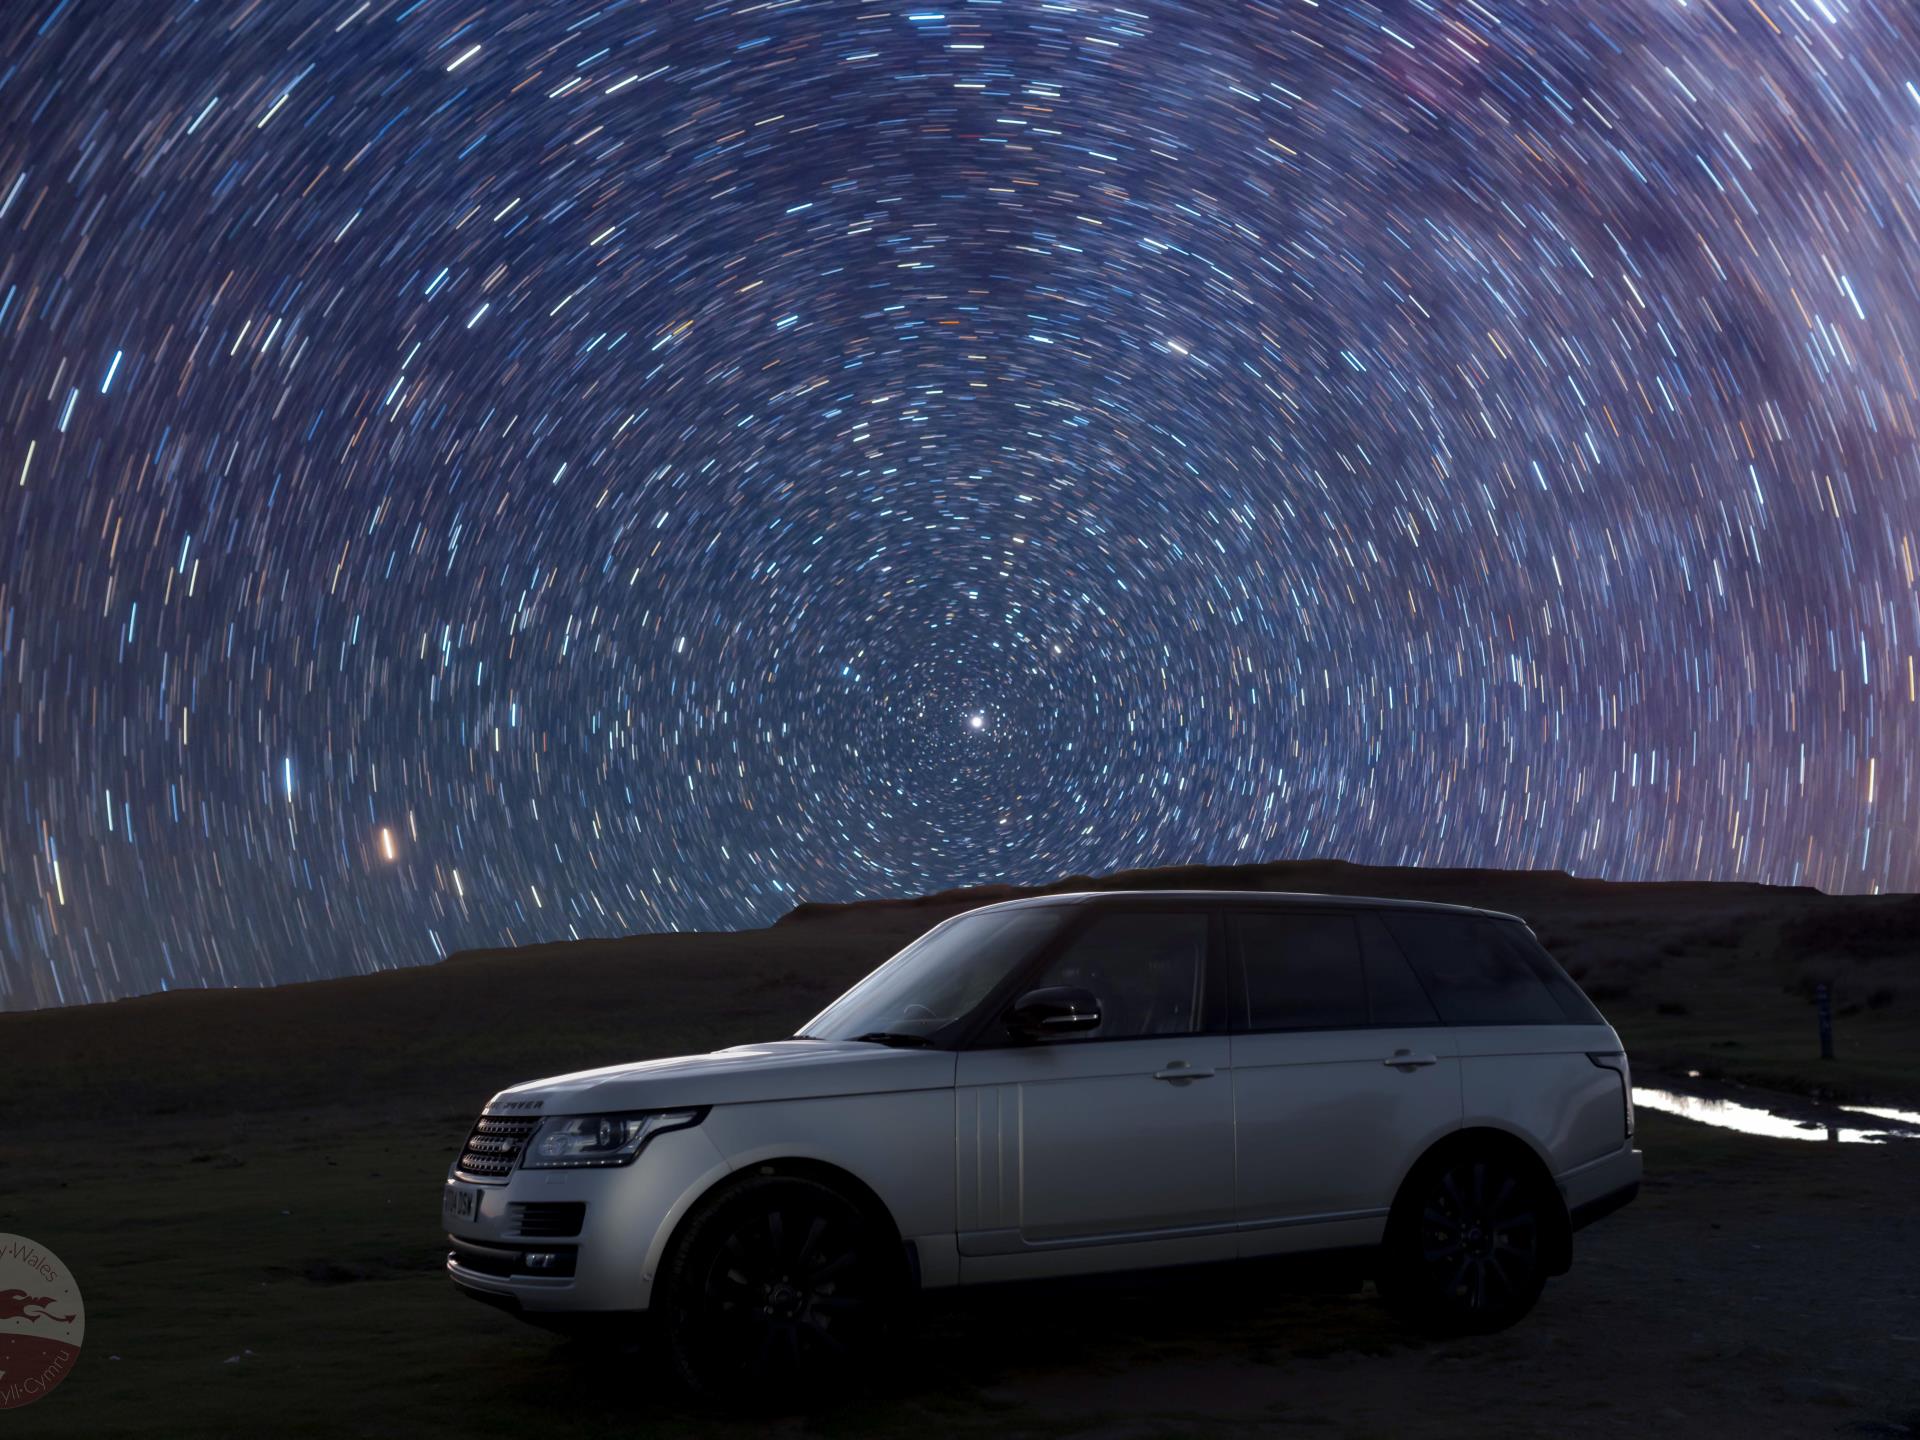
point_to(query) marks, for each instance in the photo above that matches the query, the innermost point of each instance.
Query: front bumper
(627, 1215)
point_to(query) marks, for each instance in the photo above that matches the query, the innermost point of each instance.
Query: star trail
(484, 473)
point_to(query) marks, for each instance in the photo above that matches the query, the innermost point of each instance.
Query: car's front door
(1116, 1136)
(1342, 1076)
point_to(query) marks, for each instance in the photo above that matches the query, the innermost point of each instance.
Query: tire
(1465, 1251)
(778, 1292)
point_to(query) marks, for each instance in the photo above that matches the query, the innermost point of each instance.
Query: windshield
(939, 978)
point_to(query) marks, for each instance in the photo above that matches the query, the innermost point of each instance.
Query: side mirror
(1055, 1010)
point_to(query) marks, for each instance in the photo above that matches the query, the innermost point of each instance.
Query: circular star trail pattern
(475, 474)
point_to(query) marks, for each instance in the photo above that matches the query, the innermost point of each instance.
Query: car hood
(776, 1070)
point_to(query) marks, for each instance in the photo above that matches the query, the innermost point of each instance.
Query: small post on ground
(1823, 1002)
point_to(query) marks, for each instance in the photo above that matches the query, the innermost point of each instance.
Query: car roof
(1251, 899)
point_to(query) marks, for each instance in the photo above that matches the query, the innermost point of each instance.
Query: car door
(1113, 1137)
(1524, 1033)
(1342, 1076)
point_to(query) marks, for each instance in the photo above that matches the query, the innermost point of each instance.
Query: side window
(1575, 1007)
(1146, 968)
(1473, 974)
(1299, 970)
(1394, 996)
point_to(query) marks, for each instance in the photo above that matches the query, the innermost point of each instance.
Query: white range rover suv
(1064, 1085)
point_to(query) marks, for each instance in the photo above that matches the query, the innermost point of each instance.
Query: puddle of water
(1782, 1117)
(1905, 1117)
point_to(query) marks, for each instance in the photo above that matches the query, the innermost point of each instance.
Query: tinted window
(1145, 968)
(1573, 1001)
(1394, 996)
(1299, 971)
(1474, 969)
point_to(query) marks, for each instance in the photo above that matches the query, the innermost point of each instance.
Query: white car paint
(1016, 1161)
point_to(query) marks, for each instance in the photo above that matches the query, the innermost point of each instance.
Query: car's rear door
(1119, 1137)
(1524, 1032)
(1342, 1075)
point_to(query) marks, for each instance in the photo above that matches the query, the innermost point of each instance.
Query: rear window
(1299, 971)
(1394, 995)
(1488, 972)
(1572, 1000)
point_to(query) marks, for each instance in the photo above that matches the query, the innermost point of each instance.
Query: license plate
(461, 1202)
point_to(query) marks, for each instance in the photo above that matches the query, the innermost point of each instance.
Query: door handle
(1407, 1060)
(1179, 1071)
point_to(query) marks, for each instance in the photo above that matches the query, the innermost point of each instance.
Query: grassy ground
(290, 1285)
(246, 1185)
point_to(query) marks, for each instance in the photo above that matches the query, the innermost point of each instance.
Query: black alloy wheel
(1466, 1255)
(777, 1292)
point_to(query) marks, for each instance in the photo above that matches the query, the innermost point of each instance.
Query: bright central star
(977, 722)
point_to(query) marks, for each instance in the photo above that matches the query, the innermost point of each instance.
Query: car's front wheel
(776, 1292)
(1465, 1248)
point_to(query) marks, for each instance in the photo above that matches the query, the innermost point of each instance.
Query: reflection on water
(1905, 1117)
(1783, 1117)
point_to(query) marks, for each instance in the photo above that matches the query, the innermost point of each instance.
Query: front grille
(495, 1144)
(547, 1217)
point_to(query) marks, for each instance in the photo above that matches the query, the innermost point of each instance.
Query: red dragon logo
(42, 1322)
(17, 1304)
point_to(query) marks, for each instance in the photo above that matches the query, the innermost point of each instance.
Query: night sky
(476, 473)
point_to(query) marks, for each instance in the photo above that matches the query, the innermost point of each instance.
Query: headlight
(575, 1142)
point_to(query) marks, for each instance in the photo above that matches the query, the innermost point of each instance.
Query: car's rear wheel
(776, 1292)
(1465, 1247)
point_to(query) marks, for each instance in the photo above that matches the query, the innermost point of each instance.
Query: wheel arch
(800, 1167)
(1513, 1147)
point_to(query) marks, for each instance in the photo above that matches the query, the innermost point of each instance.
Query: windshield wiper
(895, 1038)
